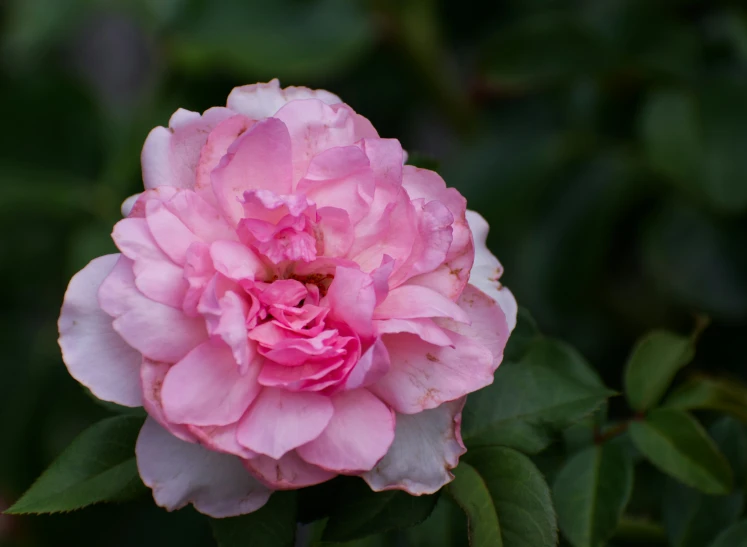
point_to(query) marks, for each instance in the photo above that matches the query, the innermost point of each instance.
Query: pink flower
(291, 302)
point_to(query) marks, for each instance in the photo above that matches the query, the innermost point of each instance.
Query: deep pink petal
(423, 376)
(426, 446)
(357, 437)
(206, 387)
(260, 158)
(280, 421)
(180, 473)
(94, 353)
(287, 473)
(353, 286)
(372, 366)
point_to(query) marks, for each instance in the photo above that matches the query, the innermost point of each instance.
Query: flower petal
(423, 376)
(351, 285)
(94, 353)
(259, 101)
(287, 473)
(372, 366)
(358, 435)
(280, 421)
(426, 446)
(260, 158)
(180, 473)
(486, 270)
(415, 301)
(206, 387)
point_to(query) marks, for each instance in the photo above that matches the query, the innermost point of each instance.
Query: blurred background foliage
(605, 142)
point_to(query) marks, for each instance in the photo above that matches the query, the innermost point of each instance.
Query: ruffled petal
(259, 101)
(487, 271)
(426, 446)
(94, 353)
(287, 473)
(180, 473)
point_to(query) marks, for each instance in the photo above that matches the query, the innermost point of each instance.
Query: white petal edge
(487, 270)
(179, 473)
(426, 447)
(95, 354)
(260, 101)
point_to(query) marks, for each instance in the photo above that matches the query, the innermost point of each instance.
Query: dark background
(604, 140)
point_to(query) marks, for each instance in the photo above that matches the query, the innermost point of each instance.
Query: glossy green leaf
(678, 445)
(708, 393)
(274, 525)
(651, 367)
(280, 38)
(550, 388)
(731, 438)
(735, 536)
(506, 482)
(98, 466)
(591, 492)
(359, 512)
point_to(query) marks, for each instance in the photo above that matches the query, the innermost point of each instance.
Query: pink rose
(291, 302)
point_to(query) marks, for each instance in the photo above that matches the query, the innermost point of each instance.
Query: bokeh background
(604, 140)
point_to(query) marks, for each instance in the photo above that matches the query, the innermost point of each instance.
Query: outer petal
(287, 473)
(423, 376)
(206, 388)
(487, 270)
(259, 101)
(152, 374)
(280, 421)
(415, 301)
(170, 155)
(180, 473)
(358, 435)
(426, 446)
(94, 353)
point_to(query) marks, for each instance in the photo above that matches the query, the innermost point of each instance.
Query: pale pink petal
(128, 204)
(118, 293)
(206, 387)
(180, 473)
(235, 261)
(160, 332)
(200, 217)
(221, 438)
(426, 446)
(260, 158)
(423, 376)
(415, 301)
(94, 353)
(487, 271)
(334, 232)
(172, 236)
(386, 159)
(353, 286)
(288, 473)
(357, 437)
(170, 156)
(425, 328)
(372, 366)
(280, 421)
(315, 127)
(259, 101)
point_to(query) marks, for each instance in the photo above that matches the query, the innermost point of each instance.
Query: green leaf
(505, 482)
(693, 519)
(736, 536)
(731, 438)
(274, 525)
(549, 389)
(472, 494)
(360, 512)
(446, 525)
(591, 492)
(98, 466)
(707, 393)
(651, 367)
(522, 337)
(677, 444)
(283, 38)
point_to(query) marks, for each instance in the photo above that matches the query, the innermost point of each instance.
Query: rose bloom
(290, 302)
